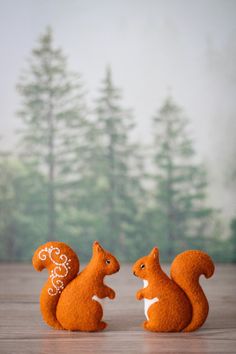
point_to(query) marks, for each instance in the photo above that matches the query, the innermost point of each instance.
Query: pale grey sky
(188, 46)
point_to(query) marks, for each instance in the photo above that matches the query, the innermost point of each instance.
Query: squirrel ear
(155, 253)
(97, 247)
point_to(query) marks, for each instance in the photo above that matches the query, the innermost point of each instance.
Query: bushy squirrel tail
(185, 271)
(62, 264)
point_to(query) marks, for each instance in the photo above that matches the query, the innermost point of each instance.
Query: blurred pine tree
(179, 184)
(120, 169)
(22, 217)
(54, 120)
(83, 176)
(232, 240)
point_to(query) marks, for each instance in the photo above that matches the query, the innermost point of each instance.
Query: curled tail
(62, 264)
(185, 271)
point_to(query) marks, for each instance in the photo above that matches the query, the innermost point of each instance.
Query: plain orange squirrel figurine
(179, 303)
(69, 300)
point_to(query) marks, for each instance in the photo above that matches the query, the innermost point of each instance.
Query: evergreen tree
(232, 240)
(81, 219)
(180, 183)
(120, 188)
(21, 215)
(53, 113)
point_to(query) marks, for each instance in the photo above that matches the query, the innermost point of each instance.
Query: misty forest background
(77, 174)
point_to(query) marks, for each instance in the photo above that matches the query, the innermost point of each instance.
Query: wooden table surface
(22, 329)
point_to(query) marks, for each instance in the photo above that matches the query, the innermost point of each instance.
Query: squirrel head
(104, 260)
(146, 266)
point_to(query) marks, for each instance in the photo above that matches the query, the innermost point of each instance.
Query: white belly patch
(148, 302)
(101, 301)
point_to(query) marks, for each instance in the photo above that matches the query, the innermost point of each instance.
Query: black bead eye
(142, 266)
(108, 261)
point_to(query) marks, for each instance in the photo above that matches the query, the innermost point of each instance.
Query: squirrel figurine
(68, 300)
(176, 304)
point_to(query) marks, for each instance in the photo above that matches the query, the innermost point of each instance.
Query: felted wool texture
(185, 271)
(180, 303)
(62, 264)
(74, 307)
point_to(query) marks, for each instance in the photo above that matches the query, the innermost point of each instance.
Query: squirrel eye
(108, 261)
(142, 266)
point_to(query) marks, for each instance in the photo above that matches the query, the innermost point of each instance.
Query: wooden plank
(22, 329)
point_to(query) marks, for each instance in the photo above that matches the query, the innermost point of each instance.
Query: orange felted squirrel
(68, 299)
(179, 303)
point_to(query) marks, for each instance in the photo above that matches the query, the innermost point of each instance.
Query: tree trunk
(51, 178)
(170, 221)
(112, 215)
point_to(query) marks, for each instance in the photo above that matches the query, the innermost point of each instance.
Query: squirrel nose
(134, 273)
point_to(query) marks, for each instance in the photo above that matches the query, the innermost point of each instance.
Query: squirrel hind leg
(153, 327)
(164, 321)
(146, 325)
(158, 327)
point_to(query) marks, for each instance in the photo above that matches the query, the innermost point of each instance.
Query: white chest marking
(147, 302)
(101, 301)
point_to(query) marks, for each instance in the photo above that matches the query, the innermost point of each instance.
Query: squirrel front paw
(139, 295)
(111, 294)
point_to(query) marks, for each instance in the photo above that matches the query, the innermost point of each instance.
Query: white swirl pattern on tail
(60, 271)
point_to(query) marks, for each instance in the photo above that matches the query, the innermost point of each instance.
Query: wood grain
(22, 329)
